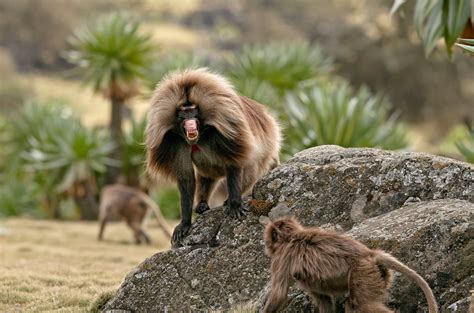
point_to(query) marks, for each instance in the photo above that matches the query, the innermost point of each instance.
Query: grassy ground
(60, 266)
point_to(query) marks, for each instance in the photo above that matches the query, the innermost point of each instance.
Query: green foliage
(170, 63)
(112, 53)
(134, 149)
(435, 19)
(456, 134)
(258, 90)
(467, 45)
(466, 147)
(283, 66)
(336, 114)
(71, 155)
(49, 148)
(35, 121)
(314, 107)
(168, 200)
(55, 146)
(18, 197)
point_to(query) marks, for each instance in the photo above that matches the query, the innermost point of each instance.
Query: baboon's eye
(274, 235)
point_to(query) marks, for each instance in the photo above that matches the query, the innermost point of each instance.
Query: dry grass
(60, 266)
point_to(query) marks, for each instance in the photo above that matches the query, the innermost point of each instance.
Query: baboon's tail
(389, 261)
(159, 217)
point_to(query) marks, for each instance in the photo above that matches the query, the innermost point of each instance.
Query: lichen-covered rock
(362, 191)
(435, 238)
(330, 184)
(222, 265)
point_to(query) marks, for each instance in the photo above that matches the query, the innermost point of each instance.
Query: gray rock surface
(330, 184)
(386, 199)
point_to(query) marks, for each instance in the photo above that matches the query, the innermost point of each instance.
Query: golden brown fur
(238, 143)
(239, 119)
(326, 264)
(119, 201)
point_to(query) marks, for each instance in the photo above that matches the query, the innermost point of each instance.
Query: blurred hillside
(368, 46)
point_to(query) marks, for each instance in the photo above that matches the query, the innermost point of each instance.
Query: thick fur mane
(220, 107)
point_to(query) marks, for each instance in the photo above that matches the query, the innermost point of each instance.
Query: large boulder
(330, 184)
(419, 207)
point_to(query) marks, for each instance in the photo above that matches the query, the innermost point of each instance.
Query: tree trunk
(84, 196)
(113, 172)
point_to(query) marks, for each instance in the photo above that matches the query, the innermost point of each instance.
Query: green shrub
(52, 141)
(458, 133)
(71, 158)
(34, 122)
(336, 114)
(172, 62)
(72, 155)
(284, 66)
(167, 198)
(466, 147)
(258, 90)
(49, 146)
(314, 107)
(112, 54)
(18, 197)
(134, 152)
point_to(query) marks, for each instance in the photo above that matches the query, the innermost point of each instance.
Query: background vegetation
(57, 157)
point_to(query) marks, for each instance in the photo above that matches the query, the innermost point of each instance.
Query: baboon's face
(188, 122)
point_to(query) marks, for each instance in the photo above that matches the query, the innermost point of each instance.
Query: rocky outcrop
(419, 207)
(330, 184)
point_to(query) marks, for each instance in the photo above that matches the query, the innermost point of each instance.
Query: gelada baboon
(119, 201)
(200, 132)
(326, 264)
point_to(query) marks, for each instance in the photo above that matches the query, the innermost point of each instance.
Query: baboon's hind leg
(103, 222)
(137, 231)
(145, 236)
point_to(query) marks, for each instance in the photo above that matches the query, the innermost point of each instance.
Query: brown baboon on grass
(326, 264)
(119, 201)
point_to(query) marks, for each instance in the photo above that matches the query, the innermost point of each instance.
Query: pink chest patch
(194, 148)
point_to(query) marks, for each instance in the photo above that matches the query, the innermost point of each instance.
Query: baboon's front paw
(201, 207)
(179, 234)
(236, 210)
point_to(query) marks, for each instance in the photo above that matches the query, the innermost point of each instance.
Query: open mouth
(192, 135)
(191, 129)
